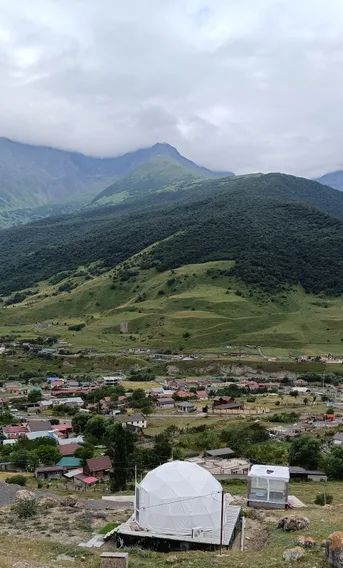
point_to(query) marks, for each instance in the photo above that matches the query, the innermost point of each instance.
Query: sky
(241, 85)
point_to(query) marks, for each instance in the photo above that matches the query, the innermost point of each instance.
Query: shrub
(323, 499)
(76, 326)
(26, 508)
(17, 480)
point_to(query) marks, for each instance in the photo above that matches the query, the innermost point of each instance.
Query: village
(247, 444)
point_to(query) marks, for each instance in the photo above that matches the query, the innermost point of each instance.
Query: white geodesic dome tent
(178, 498)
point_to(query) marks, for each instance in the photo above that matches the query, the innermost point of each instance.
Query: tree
(140, 400)
(48, 455)
(120, 448)
(33, 460)
(34, 396)
(334, 463)
(96, 428)
(85, 452)
(305, 452)
(20, 458)
(79, 422)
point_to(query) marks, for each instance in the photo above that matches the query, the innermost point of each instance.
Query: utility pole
(222, 523)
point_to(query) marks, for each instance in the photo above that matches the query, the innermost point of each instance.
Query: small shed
(219, 453)
(185, 407)
(49, 472)
(302, 474)
(268, 486)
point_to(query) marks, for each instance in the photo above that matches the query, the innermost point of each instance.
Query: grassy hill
(280, 230)
(195, 306)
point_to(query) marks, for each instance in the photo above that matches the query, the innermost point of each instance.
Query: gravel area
(103, 505)
(8, 492)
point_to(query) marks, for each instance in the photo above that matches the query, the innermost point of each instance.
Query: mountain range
(333, 179)
(279, 230)
(37, 181)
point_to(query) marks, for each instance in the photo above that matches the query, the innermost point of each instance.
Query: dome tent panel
(177, 497)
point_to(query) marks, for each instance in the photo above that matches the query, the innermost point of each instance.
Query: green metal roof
(69, 461)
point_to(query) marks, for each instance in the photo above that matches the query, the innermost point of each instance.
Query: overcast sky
(245, 85)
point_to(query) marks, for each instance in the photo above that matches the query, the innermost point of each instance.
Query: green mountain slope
(280, 231)
(39, 176)
(197, 306)
(160, 173)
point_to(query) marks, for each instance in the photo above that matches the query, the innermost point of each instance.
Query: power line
(182, 500)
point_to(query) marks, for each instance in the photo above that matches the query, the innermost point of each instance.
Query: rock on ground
(293, 523)
(69, 501)
(306, 541)
(334, 549)
(48, 502)
(24, 494)
(292, 554)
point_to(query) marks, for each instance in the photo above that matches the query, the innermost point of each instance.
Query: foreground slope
(280, 230)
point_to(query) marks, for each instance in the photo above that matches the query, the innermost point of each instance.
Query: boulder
(171, 559)
(48, 501)
(292, 554)
(334, 549)
(24, 494)
(69, 501)
(306, 541)
(293, 523)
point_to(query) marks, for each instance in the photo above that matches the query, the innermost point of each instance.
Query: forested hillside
(280, 230)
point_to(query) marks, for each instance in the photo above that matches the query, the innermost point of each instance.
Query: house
(338, 439)
(227, 408)
(185, 407)
(165, 403)
(219, 453)
(36, 435)
(220, 400)
(63, 429)
(82, 480)
(183, 394)
(39, 426)
(69, 462)
(66, 441)
(137, 420)
(98, 467)
(201, 395)
(68, 449)
(49, 472)
(112, 381)
(268, 486)
(72, 402)
(14, 432)
(15, 388)
(302, 474)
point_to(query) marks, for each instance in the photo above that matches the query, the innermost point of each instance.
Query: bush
(323, 499)
(16, 480)
(26, 508)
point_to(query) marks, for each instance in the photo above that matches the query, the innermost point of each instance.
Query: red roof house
(68, 449)
(14, 432)
(98, 467)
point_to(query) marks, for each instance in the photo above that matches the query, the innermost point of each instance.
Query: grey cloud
(247, 86)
